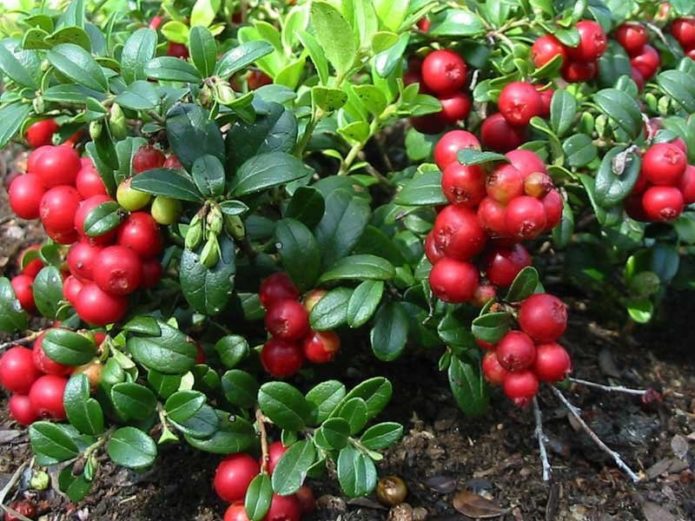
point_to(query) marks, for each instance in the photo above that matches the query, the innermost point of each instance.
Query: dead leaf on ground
(607, 364)
(442, 484)
(473, 505)
(365, 502)
(653, 512)
(9, 435)
(679, 446)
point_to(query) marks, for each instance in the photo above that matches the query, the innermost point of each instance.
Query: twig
(574, 411)
(609, 388)
(547, 471)
(260, 420)
(15, 477)
(19, 341)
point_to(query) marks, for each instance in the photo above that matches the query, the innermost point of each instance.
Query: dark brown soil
(496, 456)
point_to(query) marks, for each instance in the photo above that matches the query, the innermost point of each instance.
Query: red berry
(40, 134)
(464, 185)
(312, 298)
(275, 453)
(236, 512)
(538, 184)
(497, 134)
(484, 294)
(25, 194)
(275, 288)
(454, 281)
(23, 287)
(307, 502)
(58, 207)
(525, 218)
(287, 320)
(485, 345)
(519, 101)
(33, 158)
(575, 71)
(118, 270)
(687, 185)
(647, 62)
(71, 289)
(21, 409)
(257, 79)
(32, 268)
(449, 145)
(172, 162)
(504, 184)
(526, 162)
(233, 476)
(521, 387)
(502, 265)
(88, 181)
(543, 317)
(516, 351)
(633, 207)
(553, 204)
(492, 217)
(56, 165)
(81, 259)
(492, 370)
(24, 507)
(281, 359)
(320, 347)
(83, 211)
(411, 77)
(632, 36)
(691, 54)
(432, 251)
(146, 158)
(455, 107)
(46, 396)
(141, 234)
(17, 370)
(284, 508)
(662, 203)
(545, 48)
(155, 22)
(99, 308)
(552, 363)
(664, 164)
(592, 42)
(546, 100)
(457, 233)
(423, 24)
(444, 72)
(151, 273)
(680, 144)
(177, 50)
(44, 363)
(428, 124)
(683, 30)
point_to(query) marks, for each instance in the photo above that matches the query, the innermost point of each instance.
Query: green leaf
(331, 311)
(386, 61)
(468, 387)
(183, 405)
(240, 388)
(208, 290)
(75, 487)
(359, 267)
(133, 401)
(471, 156)
(621, 108)
(12, 116)
(680, 87)
(130, 447)
(77, 64)
(364, 302)
(266, 171)
(208, 176)
(372, 98)
(336, 431)
(324, 398)
(232, 207)
(328, 98)
(613, 64)
(170, 352)
(68, 348)
(193, 134)
(203, 50)
(163, 384)
(316, 54)
(291, 470)
(524, 285)
(354, 411)
(103, 218)
(203, 424)
(125, 152)
(258, 497)
(640, 309)
(241, 57)
(563, 109)
(48, 291)
(284, 405)
(12, 316)
(391, 13)
(335, 36)
(617, 176)
(457, 22)
(83, 412)
(390, 332)
(342, 225)
(231, 437)
(376, 392)
(53, 441)
(579, 150)
(140, 95)
(74, 14)
(382, 435)
(203, 12)
(299, 251)
(455, 333)
(169, 183)
(232, 349)
(168, 68)
(422, 190)
(356, 472)
(307, 206)
(491, 327)
(138, 49)
(19, 65)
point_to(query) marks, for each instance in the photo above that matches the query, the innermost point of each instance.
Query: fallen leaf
(442, 484)
(473, 505)
(365, 502)
(679, 446)
(653, 512)
(9, 435)
(607, 364)
(658, 468)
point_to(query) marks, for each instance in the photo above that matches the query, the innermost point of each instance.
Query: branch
(20, 341)
(574, 411)
(547, 471)
(260, 420)
(609, 388)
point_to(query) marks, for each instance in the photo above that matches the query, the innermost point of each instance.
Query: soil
(495, 459)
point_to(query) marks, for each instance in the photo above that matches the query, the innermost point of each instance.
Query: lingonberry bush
(223, 203)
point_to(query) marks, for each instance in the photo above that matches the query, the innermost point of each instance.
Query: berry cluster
(443, 74)
(234, 475)
(666, 184)
(579, 63)
(644, 58)
(61, 189)
(36, 381)
(683, 30)
(513, 202)
(287, 320)
(523, 358)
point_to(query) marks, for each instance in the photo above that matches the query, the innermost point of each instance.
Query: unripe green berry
(130, 198)
(165, 210)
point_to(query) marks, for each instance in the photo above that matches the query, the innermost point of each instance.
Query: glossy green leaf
(364, 302)
(68, 348)
(382, 435)
(182, 405)
(242, 56)
(133, 401)
(83, 412)
(12, 316)
(78, 65)
(299, 251)
(258, 497)
(266, 171)
(331, 311)
(138, 50)
(203, 50)
(390, 332)
(284, 405)
(291, 470)
(468, 387)
(491, 327)
(132, 448)
(423, 190)
(170, 352)
(169, 183)
(240, 388)
(335, 36)
(524, 285)
(356, 472)
(48, 291)
(168, 68)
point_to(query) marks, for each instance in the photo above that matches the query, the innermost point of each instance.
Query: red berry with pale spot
(275, 452)
(457, 233)
(519, 101)
(454, 281)
(552, 363)
(58, 208)
(118, 270)
(632, 36)
(521, 387)
(662, 203)
(146, 158)
(664, 164)
(320, 347)
(502, 265)
(81, 259)
(497, 134)
(97, 307)
(491, 216)
(71, 289)
(233, 476)
(447, 148)
(538, 185)
(545, 48)
(516, 351)
(281, 359)
(505, 183)
(526, 161)
(17, 370)
(592, 42)
(275, 288)
(287, 320)
(683, 30)
(55, 165)
(543, 317)
(493, 372)
(464, 185)
(140, 233)
(444, 72)
(525, 218)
